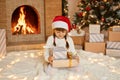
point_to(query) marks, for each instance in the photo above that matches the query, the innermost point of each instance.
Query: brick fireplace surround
(27, 41)
(45, 12)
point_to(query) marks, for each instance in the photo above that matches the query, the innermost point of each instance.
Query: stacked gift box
(95, 41)
(113, 43)
(78, 38)
(2, 42)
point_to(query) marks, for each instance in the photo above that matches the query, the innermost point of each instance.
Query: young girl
(61, 26)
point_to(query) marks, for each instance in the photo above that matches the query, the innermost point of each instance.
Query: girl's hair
(60, 29)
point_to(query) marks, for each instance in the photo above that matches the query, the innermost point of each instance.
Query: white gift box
(59, 53)
(116, 28)
(113, 52)
(96, 37)
(2, 42)
(94, 28)
(113, 45)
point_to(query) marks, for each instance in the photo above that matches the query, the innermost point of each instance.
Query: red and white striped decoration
(113, 45)
(2, 42)
(96, 37)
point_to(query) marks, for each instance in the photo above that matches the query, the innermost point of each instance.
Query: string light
(93, 59)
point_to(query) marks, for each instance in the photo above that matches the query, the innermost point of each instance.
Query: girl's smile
(60, 34)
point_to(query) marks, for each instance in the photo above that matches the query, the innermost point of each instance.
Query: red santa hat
(61, 22)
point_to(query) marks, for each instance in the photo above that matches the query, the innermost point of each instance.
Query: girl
(61, 26)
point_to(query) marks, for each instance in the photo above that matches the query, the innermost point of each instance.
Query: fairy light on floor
(18, 54)
(114, 69)
(36, 78)
(86, 77)
(26, 55)
(25, 78)
(12, 77)
(9, 66)
(37, 54)
(73, 76)
(2, 58)
(1, 69)
(100, 62)
(15, 61)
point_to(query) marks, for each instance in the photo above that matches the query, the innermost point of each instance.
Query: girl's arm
(47, 52)
(72, 49)
(71, 45)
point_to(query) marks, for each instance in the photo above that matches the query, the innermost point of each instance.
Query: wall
(52, 9)
(2, 14)
(72, 8)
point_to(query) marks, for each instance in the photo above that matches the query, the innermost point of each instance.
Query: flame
(22, 27)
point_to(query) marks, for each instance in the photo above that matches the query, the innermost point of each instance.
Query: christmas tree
(103, 12)
(65, 8)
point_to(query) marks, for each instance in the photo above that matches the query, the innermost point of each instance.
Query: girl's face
(60, 33)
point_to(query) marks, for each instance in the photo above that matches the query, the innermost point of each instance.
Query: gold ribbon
(70, 60)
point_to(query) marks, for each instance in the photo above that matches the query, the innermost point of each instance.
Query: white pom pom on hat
(61, 22)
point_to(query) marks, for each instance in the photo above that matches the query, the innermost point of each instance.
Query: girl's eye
(58, 32)
(63, 31)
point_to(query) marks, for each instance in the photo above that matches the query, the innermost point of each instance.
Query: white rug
(28, 65)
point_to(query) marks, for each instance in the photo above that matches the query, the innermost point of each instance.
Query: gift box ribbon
(70, 60)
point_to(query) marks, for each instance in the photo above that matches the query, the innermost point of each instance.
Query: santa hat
(61, 22)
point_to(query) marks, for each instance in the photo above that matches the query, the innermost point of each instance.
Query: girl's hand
(50, 59)
(76, 57)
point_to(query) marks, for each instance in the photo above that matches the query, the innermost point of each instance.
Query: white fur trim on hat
(60, 24)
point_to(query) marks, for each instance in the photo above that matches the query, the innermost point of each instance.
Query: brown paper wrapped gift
(78, 40)
(114, 36)
(65, 63)
(97, 47)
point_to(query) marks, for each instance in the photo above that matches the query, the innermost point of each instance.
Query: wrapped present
(113, 45)
(65, 63)
(113, 52)
(2, 42)
(94, 28)
(97, 47)
(96, 37)
(116, 28)
(78, 40)
(114, 36)
(59, 53)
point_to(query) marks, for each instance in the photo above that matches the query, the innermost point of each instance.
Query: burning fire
(22, 27)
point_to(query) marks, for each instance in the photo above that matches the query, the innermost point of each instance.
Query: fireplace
(25, 20)
(31, 29)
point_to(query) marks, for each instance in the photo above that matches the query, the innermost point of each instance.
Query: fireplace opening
(25, 21)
